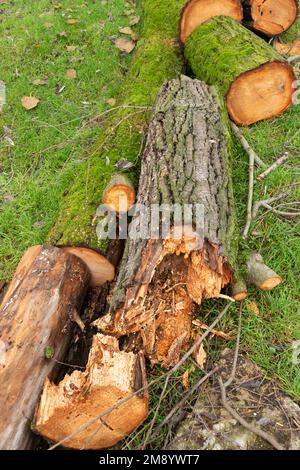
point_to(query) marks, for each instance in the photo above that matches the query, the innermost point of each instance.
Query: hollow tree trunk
(186, 161)
(35, 322)
(256, 81)
(271, 17)
(196, 12)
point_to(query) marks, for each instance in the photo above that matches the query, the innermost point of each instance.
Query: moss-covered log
(257, 82)
(157, 58)
(186, 161)
(196, 12)
(271, 17)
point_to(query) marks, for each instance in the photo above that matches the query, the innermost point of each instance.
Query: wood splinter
(261, 275)
(110, 376)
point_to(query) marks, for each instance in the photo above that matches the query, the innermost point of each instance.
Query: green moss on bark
(158, 58)
(221, 49)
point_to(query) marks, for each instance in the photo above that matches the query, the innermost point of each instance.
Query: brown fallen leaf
(252, 307)
(133, 20)
(125, 45)
(126, 30)
(111, 101)
(71, 48)
(219, 333)
(29, 102)
(129, 12)
(39, 82)
(200, 356)
(71, 74)
(72, 21)
(185, 380)
(62, 34)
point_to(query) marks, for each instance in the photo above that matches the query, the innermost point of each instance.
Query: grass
(52, 145)
(52, 140)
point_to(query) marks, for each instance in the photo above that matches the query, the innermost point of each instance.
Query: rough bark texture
(35, 319)
(271, 17)
(186, 161)
(248, 71)
(196, 12)
(110, 376)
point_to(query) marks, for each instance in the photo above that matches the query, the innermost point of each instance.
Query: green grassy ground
(52, 140)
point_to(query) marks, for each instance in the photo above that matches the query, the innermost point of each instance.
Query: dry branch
(261, 275)
(273, 167)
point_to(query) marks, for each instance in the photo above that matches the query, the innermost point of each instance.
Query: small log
(49, 285)
(119, 194)
(271, 17)
(261, 275)
(239, 290)
(196, 12)
(258, 85)
(110, 376)
(186, 161)
(100, 268)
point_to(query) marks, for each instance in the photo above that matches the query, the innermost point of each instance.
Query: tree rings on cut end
(261, 93)
(197, 11)
(119, 194)
(273, 17)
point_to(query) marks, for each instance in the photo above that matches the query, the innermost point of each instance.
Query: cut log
(196, 12)
(271, 17)
(110, 377)
(239, 290)
(185, 162)
(257, 82)
(119, 194)
(35, 323)
(291, 48)
(100, 268)
(261, 275)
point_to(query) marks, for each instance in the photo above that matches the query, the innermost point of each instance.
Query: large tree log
(271, 17)
(186, 161)
(196, 12)
(35, 323)
(256, 81)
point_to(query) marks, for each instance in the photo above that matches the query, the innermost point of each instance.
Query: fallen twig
(221, 334)
(246, 146)
(250, 196)
(169, 373)
(273, 167)
(268, 201)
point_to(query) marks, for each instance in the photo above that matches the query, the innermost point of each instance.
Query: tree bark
(271, 17)
(261, 275)
(257, 82)
(35, 323)
(186, 161)
(196, 12)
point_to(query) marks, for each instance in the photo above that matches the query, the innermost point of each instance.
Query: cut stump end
(273, 17)
(119, 195)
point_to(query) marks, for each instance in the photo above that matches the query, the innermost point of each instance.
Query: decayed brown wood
(261, 275)
(100, 268)
(185, 161)
(271, 17)
(49, 285)
(196, 12)
(119, 194)
(110, 376)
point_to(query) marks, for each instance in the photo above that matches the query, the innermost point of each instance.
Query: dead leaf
(71, 48)
(62, 34)
(39, 81)
(72, 21)
(185, 380)
(29, 102)
(219, 333)
(48, 25)
(200, 356)
(133, 20)
(125, 45)
(71, 74)
(126, 30)
(111, 101)
(253, 308)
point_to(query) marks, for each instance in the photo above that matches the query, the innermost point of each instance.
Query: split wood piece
(196, 12)
(186, 161)
(261, 275)
(257, 83)
(271, 17)
(239, 290)
(49, 285)
(119, 194)
(100, 268)
(291, 49)
(110, 376)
